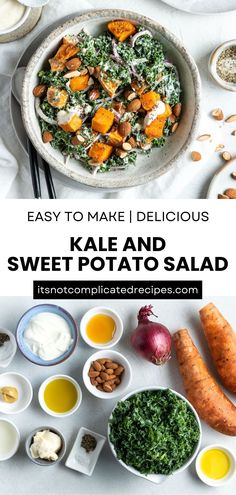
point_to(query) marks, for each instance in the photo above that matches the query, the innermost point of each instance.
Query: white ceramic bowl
(16, 440)
(12, 350)
(210, 481)
(106, 311)
(42, 401)
(25, 392)
(126, 377)
(158, 478)
(212, 65)
(147, 168)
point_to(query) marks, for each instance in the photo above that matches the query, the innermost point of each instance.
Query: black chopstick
(34, 170)
(48, 179)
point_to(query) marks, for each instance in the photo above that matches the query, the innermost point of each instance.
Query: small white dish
(209, 481)
(125, 380)
(11, 436)
(25, 392)
(20, 23)
(97, 310)
(79, 459)
(212, 65)
(222, 180)
(42, 401)
(8, 350)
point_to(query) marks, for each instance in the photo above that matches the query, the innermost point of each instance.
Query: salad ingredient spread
(46, 445)
(102, 100)
(226, 65)
(150, 339)
(154, 431)
(89, 443)
(4, 338)
(101, 328)
(9, 394)
(221, 340)
(60, 395)
(215, 463)
(202, 391)
(105, 374)
(48, 335)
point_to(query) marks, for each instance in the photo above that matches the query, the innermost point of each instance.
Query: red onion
(151, 340)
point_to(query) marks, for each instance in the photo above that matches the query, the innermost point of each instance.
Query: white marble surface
(20, 476)
(200, 34)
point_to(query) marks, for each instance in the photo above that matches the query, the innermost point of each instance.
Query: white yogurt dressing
(8, 439)
(48, 335)
(11, 12)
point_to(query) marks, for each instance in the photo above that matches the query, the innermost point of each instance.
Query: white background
(20, 476)
(200, 239)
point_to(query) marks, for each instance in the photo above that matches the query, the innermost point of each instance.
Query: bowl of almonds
(107, 374)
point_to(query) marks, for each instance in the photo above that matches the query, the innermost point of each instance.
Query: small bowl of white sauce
(13, 15)
(46, 334)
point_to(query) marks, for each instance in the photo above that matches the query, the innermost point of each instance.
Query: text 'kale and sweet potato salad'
(105, 99)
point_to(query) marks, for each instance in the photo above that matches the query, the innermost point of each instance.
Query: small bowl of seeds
(107, 374)
(222, 65)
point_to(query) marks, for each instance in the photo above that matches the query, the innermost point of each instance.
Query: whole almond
(217, 114)
(233, 133)
(119, 370)
(97, 366)
(113, 366)
(172, 118)
(40, 90)
(94, 94)
(107, 387)
(222, 196)
(231, 193)
(124, 129)
(112, 377)
(94, 381)
(126, 146)
(117, 381)
(73, 63)
(233, 175)
(99, 379)
(230, 119)
(196, 156)
(204, 137)
(80, 138)
(226, 156)
(174, 127)
(100, 387)
(177, 109)
(134, 105)
(102, 361)
(75, 140)
(104, 376)
(132, 141)
(121, 153)
(93, 374)
(47, 137)
(110, 371)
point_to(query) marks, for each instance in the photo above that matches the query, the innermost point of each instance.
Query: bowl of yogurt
(46, 334)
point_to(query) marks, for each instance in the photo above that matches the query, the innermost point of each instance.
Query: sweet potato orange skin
(221, 340)
(201, 389)
(121, 29)
(102, 120)
(149, 100)
(155, 129)
(57, 97)
(79, 83)
(100, 152)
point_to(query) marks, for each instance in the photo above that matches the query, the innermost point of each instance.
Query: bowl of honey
(101, 327)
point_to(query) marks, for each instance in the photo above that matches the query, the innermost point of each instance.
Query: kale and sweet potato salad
(102, 100)
(154, 431)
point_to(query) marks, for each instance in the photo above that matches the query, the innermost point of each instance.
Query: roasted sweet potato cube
(65, 51)
(168, 111)
(155, 129)
(73, 125)
(109, 86)
(149, 100)
(102, 120)
(100, 152)
(57, 97)
(56, 65)
(121, 29)
(115, 139)
(79, 83)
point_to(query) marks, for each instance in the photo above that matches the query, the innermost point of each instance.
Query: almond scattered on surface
(233, 133)
(230, 119)
(73, 64)
(219, 147)
(231, 193)
(217, 114)
(196, 156)
(233, 175)
(226, 155)
(204, 137)
(40, 90)
(222, 196)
